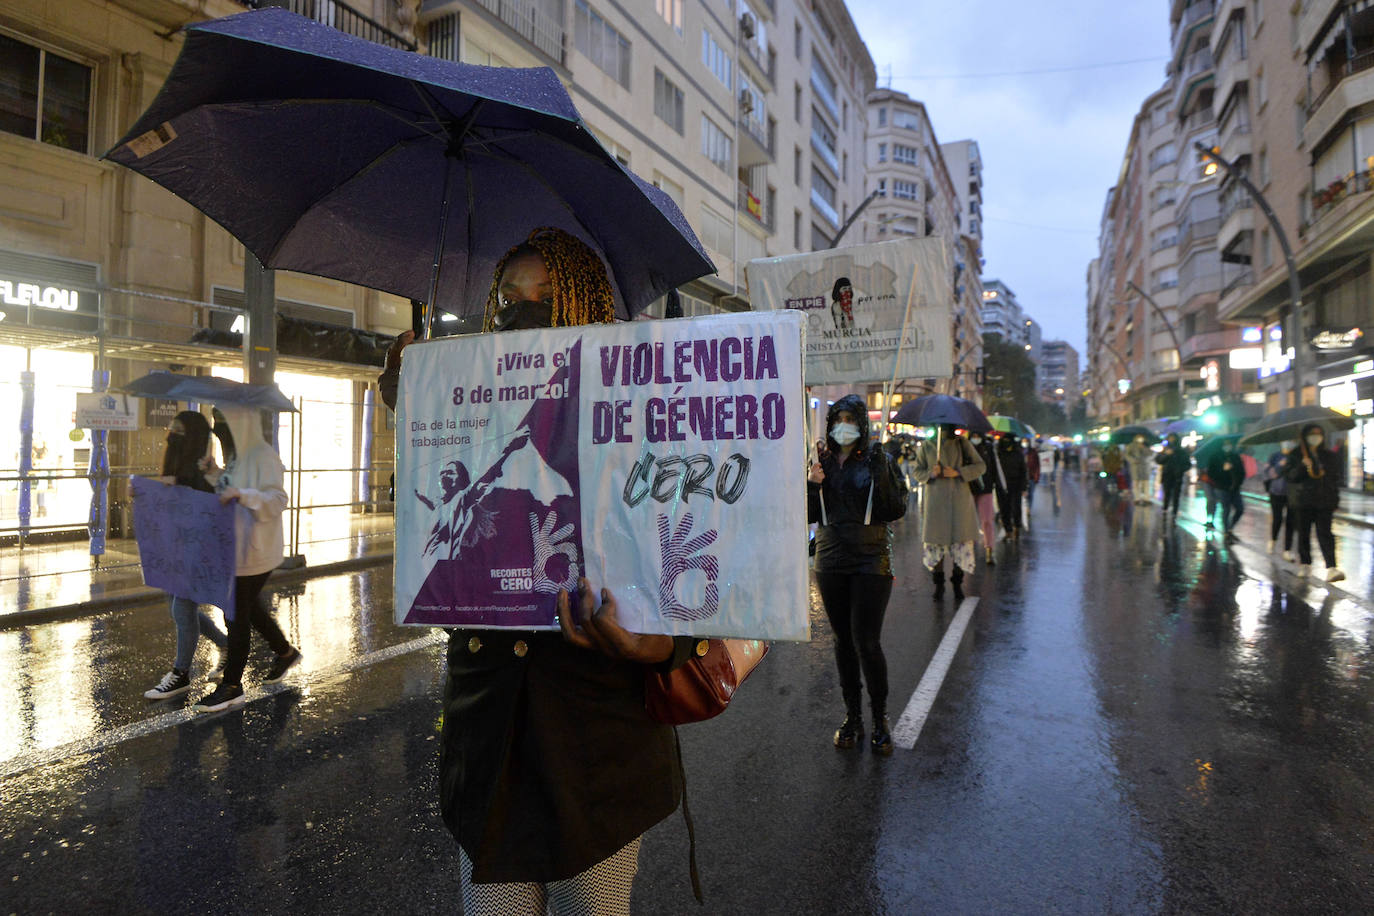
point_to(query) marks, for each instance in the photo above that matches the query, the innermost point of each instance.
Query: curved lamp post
(1172, 334)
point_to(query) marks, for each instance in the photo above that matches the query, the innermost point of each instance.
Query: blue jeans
(192, 623)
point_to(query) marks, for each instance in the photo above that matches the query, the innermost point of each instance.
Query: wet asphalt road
(1139, 720)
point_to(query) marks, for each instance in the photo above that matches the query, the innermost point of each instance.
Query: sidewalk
(43, 583)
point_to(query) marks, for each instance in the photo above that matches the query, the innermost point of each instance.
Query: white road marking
(144, 727)
(908, 727)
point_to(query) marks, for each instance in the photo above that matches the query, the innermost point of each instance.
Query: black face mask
(523, 314)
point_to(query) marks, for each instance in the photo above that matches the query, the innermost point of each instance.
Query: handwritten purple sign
(186, 542)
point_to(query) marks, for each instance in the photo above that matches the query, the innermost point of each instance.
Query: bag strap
(868, 513)
(691, 828)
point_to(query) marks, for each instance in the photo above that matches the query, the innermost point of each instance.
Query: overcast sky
(1052, 143)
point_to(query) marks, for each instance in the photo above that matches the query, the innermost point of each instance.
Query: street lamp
(1294, 284)
(1178, 351)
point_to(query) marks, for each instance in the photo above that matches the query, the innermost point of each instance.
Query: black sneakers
(882, 738)
(282, 664)
(223, 697)
(173, 684)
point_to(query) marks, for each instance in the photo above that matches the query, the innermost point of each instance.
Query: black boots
(956, 579)
(881, 742)
(937, 575)
(850, 732)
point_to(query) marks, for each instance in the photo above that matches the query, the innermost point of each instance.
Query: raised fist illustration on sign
(680, 552)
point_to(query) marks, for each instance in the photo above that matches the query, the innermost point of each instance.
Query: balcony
(756, 141)
(764, 63)
(1234, 137)
(531, 24)
(1211, 343)
(760, 210)
(1351, 87)
(1236, 221)
(1196, 71)
(1197, 231)
(1192, 18)
(340, 16)
(825, 208)
(1313, 19)
(825, 153)
(1244, 279)
(1326, 200)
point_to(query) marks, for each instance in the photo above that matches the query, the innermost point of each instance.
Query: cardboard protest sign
(663, 460)
(856, 301)
(185, 542)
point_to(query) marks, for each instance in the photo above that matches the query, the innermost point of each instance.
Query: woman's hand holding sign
(599, 629)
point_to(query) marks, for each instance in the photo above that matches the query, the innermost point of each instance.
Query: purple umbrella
(331, 155)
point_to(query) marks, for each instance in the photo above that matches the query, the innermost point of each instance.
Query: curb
(145, 595)
(1358, 520)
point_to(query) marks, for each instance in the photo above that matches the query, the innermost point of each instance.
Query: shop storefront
(1350, 390)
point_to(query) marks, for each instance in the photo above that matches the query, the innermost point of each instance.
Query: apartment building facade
(917, 195)
(1311, 154)
(1059, 374)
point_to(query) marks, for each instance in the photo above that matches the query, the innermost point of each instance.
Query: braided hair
(581, 290)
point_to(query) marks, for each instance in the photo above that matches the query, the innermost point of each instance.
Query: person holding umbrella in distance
(1314, 491)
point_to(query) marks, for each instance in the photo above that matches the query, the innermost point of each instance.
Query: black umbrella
(935, 409)
(332, 155)
(1127, 433)
(1288, 423)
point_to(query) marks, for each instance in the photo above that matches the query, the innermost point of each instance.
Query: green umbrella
(1005, 424)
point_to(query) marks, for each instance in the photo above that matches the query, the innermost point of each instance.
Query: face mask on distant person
(976, 440)
(1314, 440)
(845, 433)
(1287, 445)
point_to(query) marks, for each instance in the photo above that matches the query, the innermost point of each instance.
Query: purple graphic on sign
(185, 542)
(682, 555)
(508, 535)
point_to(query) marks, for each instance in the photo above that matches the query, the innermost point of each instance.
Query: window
(716, 144)
(796, 165)
(716, 230)
(973, 227)
(667, 101)
(796, 103)
(844, 166)
(797, 44)
(907, 120)
(601, 44)
(882, 117)
(822, 186)
(1163, 155)
(844, 114)
(823, 141)
(905, 154)
(28, 74)
(671, 11)
(882, 187)
(669, 187)
(882, 152)
(796, 229)
(824, 86)
(1261, 91)
(904, 190)
(715, 59)
(1266, 256)
(1263, 175)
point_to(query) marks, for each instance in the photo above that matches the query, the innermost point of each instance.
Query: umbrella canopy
(208, 389)
(934, 409)
(1204, 452)
(1005, 424)
(1127, 433)
(331, 155)
(1288, 423)
(1184, 425)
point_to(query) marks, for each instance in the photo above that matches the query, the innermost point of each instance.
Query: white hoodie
(256, 472)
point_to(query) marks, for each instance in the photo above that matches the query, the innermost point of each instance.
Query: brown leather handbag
(702, 688)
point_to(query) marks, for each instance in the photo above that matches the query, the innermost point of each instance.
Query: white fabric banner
(663, 460)
(856, 301)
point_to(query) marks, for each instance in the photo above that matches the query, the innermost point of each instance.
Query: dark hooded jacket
(1013, 462)
(1226, 470)
(181, 461)
(990, 482)
(1174, 460)
(844, 544)
(1320, 487)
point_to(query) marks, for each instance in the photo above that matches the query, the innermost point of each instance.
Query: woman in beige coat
(949, 518)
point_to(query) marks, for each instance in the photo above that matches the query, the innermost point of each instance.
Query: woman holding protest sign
(854, 490)
(188, 443)
(252, 479)
(550, 769)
